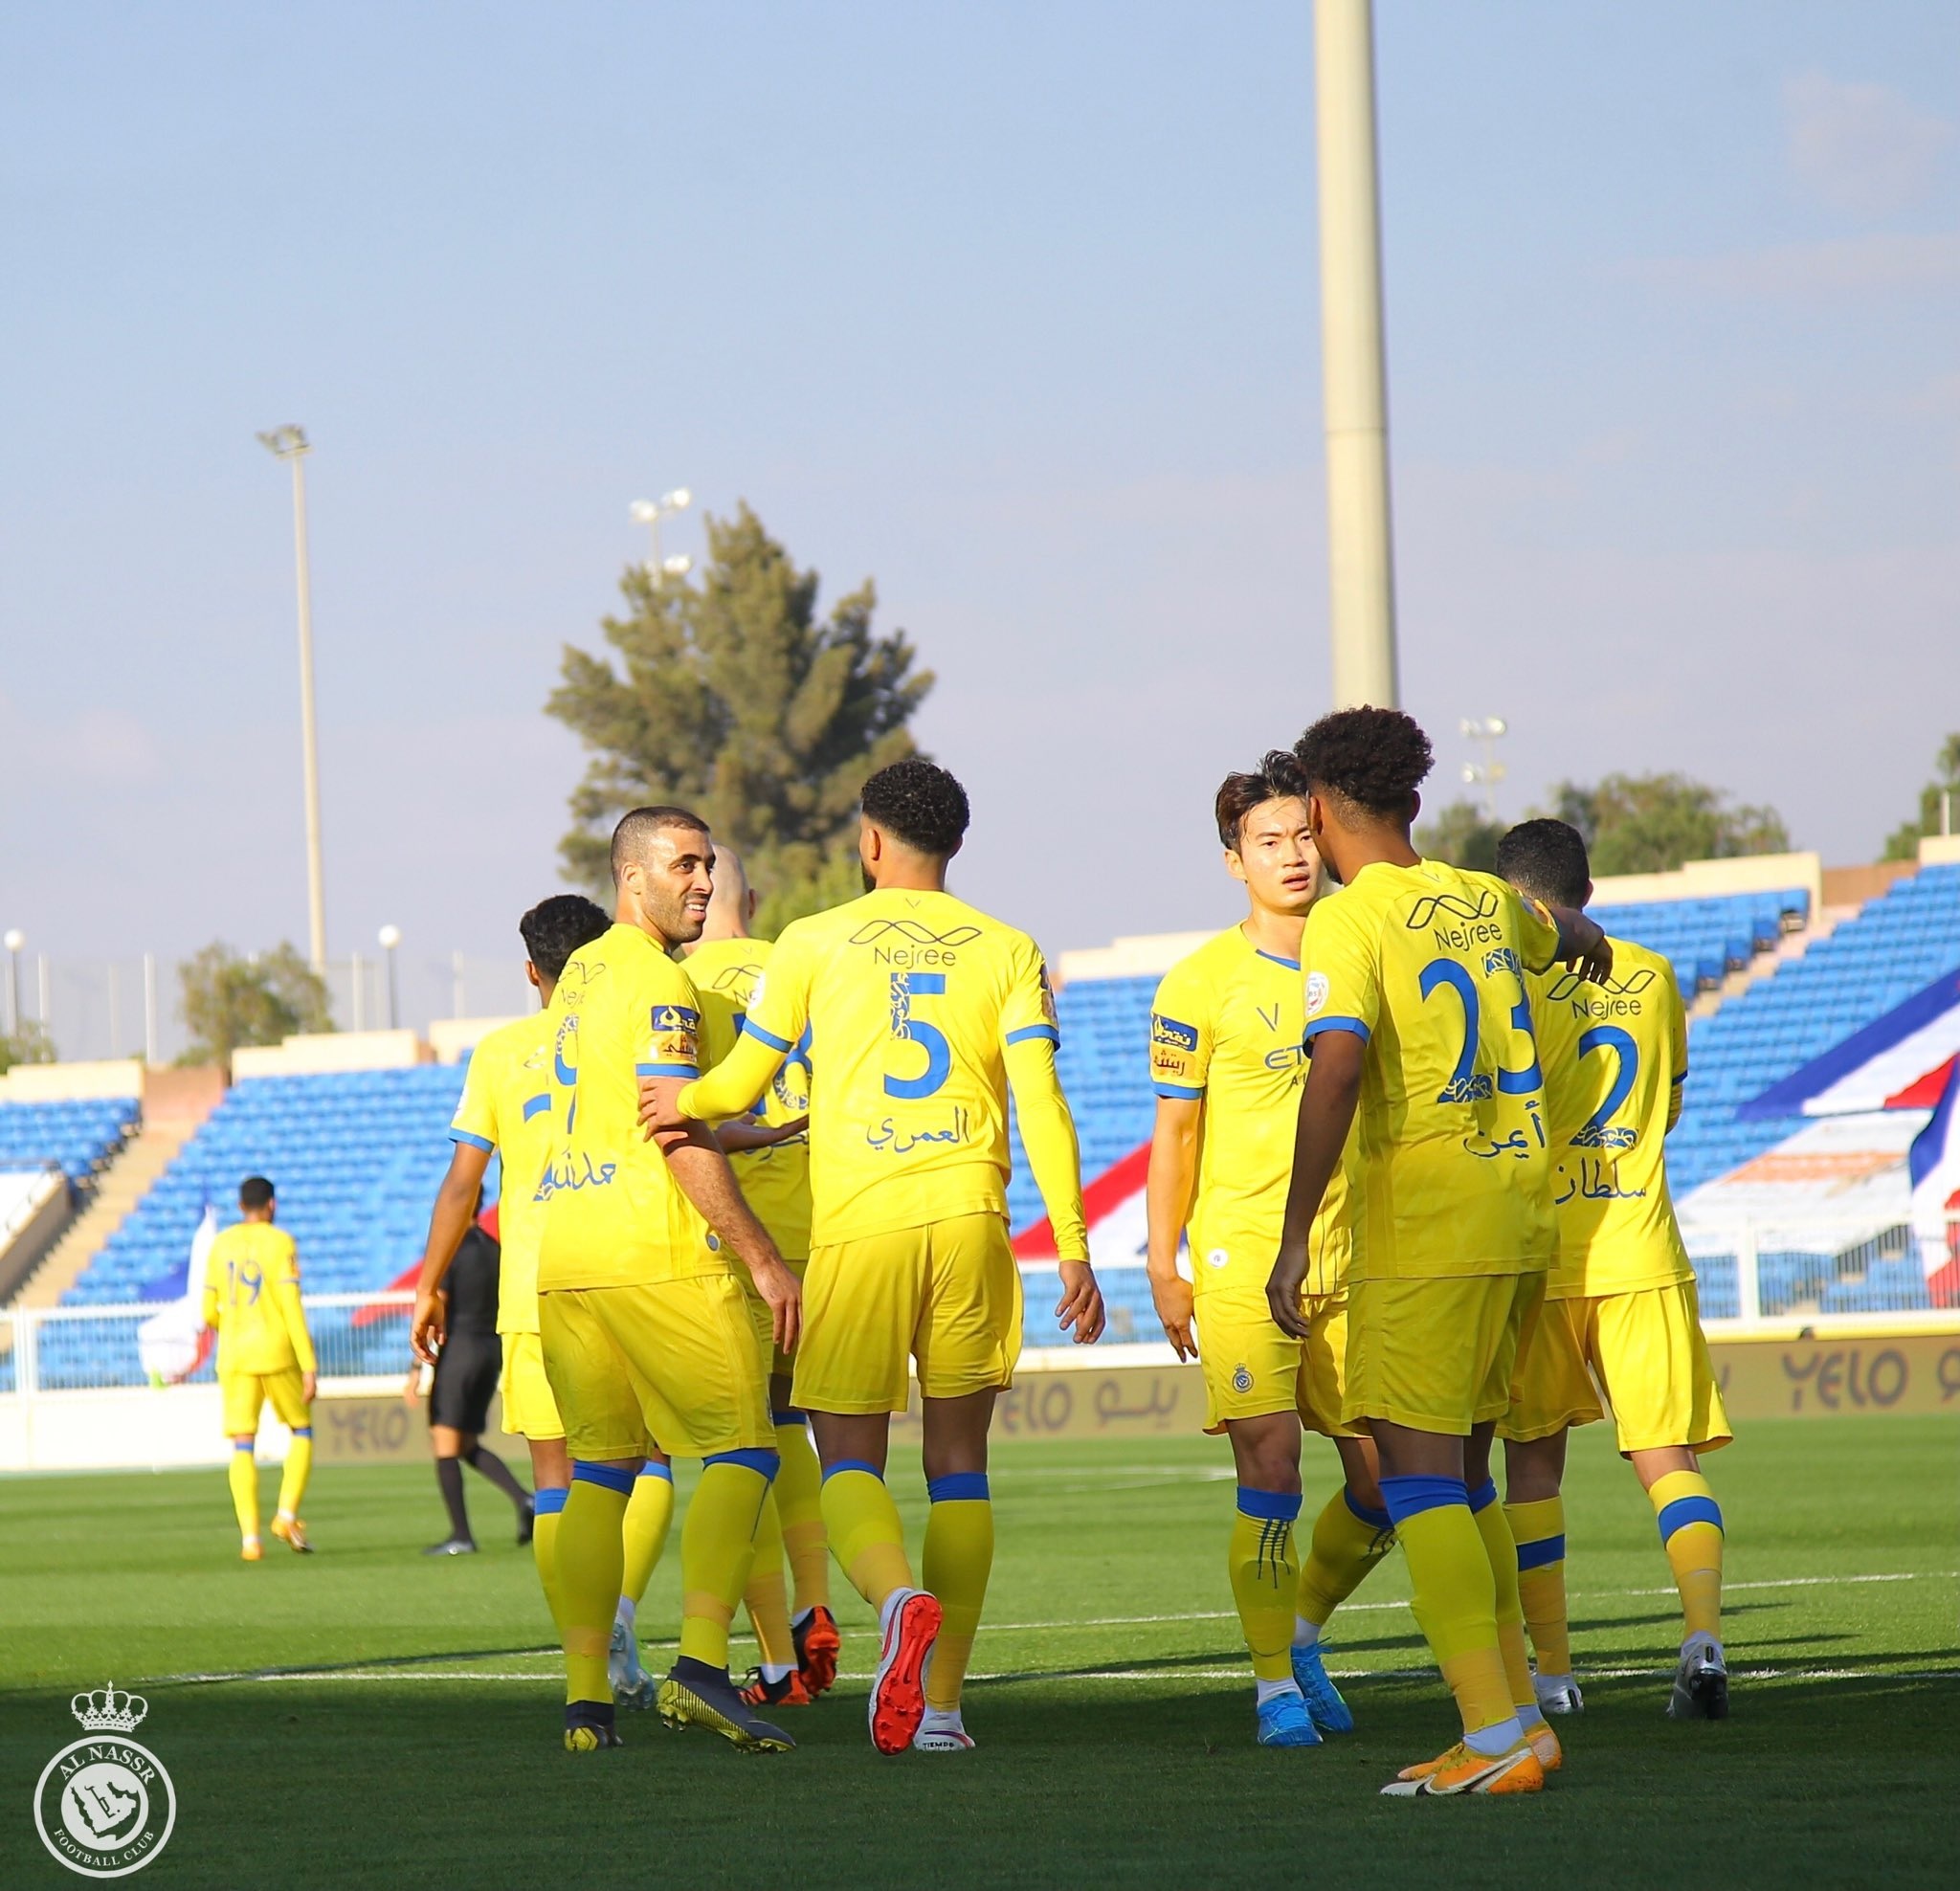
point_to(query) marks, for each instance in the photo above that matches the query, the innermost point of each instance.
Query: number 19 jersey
(1427, 966)
(910, 1000)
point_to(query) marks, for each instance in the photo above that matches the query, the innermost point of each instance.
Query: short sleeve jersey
(506, 1106)
(251, 1267)
(1615, 1055)
(1427, 964)
(774, 1180)
(907, 1003)
(614, 1217)
(1226, 1027)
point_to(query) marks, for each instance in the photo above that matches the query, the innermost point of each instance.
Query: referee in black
(466, 1373)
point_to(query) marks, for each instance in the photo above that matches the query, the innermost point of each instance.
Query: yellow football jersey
(1427, 964)
(911, 999)
(775, 1180)
(506, 1106)
(1614, 1058)
(1226, 1026)
(252, 1297)
(614, 1217)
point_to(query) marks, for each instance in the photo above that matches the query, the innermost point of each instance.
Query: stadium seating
(78, 1136)
(1706, 939)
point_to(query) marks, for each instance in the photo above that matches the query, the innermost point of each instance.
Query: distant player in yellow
(505, 1111)
(1621, 1299)
(1226, 1063)
(650, 1341)
(921, 1012)
(252, 1297)
(768, 1149)
(1419, 1020)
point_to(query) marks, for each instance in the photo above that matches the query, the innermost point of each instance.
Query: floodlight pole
(290, 444)
(1360, 558)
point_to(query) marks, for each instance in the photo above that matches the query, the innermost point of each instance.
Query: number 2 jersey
(1614, 1058)
(911, 1006)
(1225, 1027)
(1427, 966)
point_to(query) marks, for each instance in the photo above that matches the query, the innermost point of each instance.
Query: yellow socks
(1690, 1523)
(299, 1468)
(799, 1504)
(864, 1530)
(244, 1480)
(766, 1597)
(1494, 1529)
(589, 1561)
(1347, 1542)
(717, 1546)
(1539, 1530)
(1455, 1595)
(649, 1513)
(1265, 1581)
(548, 1507)
(958, 1560)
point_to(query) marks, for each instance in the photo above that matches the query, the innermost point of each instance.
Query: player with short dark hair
(1227, 1064)
(252, 1297)
(921, 1012)
(1420, 1021)
(1621, 1302)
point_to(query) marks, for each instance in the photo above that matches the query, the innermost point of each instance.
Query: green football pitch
(368, 1715)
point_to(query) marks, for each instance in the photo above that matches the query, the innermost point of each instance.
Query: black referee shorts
(466, 1371)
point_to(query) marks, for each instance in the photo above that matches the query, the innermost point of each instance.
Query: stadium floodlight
(1490, 771)
(388, 938)
(290, 444)
(15, 939)
(649, 512)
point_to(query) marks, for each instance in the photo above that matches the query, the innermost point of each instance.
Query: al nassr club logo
(104, 1806)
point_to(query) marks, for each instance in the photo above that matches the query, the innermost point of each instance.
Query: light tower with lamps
(289, 443)
(1490, 771)
(649, 512)
(390, 938)
(15, 942)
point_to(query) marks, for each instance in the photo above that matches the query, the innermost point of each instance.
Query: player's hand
(1173, 1299)
(782, 1294)
(1591, 950)
(411, 1386)
(1282, 1290)
(657, 1111)
(426, 1327)
(309, 1387)
(1080, 1304)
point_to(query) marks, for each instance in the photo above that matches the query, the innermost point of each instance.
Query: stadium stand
(1704, 940)
(80, 1136)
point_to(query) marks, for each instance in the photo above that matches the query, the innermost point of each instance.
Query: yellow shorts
(673, 1366)
(1646, 1352)
(529, 1410)
(1437, 1355)
(775, 1361)
(1253, 1369)
(245, 1393)
(948, 1296)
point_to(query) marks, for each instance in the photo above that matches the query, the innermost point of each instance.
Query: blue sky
(1015, 309)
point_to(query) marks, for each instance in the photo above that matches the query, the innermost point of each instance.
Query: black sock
(449, 1474)
(497, 1472)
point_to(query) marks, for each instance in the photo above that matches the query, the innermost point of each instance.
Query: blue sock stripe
(302, 1431)
(1269, 1506)
(549, 1502)
(958, 1487)
(607, 1477)
(844, 1464)
(1536, 1555)
(1378, 1520)
(1484, 1496)
(1410, 1497)
(790, 1414)
(1686, 1510)
(243, 1444)
(654, 1468)
(763, 1463)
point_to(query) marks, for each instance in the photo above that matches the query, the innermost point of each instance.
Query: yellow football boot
(1463, 1770)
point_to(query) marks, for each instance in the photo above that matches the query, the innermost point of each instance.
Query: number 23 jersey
(910, 1000)
(1427, 966)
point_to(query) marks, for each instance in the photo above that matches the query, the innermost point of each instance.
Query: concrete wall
(452, 1038)
(69, 1082)
(331, 1051)
(1711, 880)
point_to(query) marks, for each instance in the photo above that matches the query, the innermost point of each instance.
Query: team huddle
(1406, 1189)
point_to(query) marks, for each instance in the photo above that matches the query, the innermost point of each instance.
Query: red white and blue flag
(1899, 1061)
(1935, 1168)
